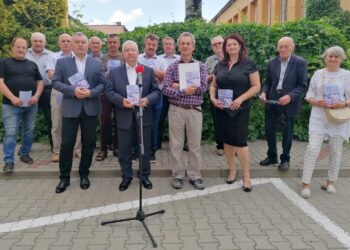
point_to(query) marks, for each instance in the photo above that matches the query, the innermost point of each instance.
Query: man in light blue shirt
(38, 54)
(159, 65)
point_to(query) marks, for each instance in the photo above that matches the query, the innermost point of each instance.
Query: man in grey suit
(81, 80)
(120, 79)
(286, 82)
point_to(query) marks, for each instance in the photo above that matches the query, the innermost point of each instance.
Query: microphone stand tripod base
(140, 215)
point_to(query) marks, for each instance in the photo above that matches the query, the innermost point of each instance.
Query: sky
(138, 13)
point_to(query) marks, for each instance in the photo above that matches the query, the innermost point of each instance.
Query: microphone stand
(140, 215)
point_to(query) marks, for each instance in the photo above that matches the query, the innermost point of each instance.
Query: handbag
(336, 116)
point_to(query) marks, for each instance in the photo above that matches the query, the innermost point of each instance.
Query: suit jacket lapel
(87, 67)
(289, 67)
(124, 75)
(73, 66)
(277, 71)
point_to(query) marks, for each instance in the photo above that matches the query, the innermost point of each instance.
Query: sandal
(101, 156)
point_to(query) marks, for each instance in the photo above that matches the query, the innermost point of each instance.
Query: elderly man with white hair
(286, 82)
(38, 54)
(120, 80)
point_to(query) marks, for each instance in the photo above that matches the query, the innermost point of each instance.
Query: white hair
(129, 42)
(336, 51)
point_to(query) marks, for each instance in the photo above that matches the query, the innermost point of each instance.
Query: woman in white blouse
(329, 88)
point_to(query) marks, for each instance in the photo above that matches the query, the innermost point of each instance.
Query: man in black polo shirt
(21, 86)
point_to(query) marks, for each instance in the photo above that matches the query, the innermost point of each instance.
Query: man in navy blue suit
(120, 80)
(286, 82)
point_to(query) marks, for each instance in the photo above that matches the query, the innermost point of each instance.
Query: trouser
(272, 117)
(219, 144)
(44, 105)
(56, 116)
(69, 134)
(163, 115)
(126, 143)
(313, 150)
(108, 127)
(12, 117)
(180, 120)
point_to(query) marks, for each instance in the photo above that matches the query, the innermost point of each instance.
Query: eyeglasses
(218, 43)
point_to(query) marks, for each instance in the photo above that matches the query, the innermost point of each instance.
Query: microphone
(139, 70)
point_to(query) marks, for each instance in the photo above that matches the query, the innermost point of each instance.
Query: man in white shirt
(159, 66)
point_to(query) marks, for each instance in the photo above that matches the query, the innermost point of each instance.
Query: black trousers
(273, 117)
(126, 142)
(45, 106)
(88, 141)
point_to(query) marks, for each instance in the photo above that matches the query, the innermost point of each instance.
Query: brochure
(189, 75)
(225, 95)
(133, 94)
(78, 80)
(25, 97)
(331, 94)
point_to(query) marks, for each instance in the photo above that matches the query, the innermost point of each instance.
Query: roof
(230, 2)
(109, 28)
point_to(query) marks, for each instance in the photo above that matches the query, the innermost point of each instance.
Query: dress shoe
(284, 166)
(84, 182)
(247, 189)
(147, 183)
(268, 161)
(26, 159)
(124, 185)
(8, 168)
(62, 185)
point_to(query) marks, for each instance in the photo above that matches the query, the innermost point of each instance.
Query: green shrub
(311, 38)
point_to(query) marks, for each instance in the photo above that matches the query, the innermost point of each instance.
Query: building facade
(266, 12)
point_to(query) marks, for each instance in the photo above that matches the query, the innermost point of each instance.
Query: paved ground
(212, 165)
(232, 219)
(272, 216)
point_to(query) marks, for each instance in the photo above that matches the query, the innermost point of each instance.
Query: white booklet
(225, 95)
(189, 75)
(25, 97)
(133, 94)
(78, 80)
(331, 94)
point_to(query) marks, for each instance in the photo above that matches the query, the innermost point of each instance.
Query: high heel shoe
(247, 189)
(229, 181)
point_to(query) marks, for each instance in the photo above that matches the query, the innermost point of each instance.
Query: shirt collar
(153, 57)
(74, 56)
(130, 67)
(285, 61)
(191, 61)
(45, 51)
(171, 57)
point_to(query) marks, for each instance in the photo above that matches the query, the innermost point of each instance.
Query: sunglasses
(218, 43)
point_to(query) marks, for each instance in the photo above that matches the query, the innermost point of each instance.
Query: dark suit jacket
(294, 82)
(71, 105)
(116, 92)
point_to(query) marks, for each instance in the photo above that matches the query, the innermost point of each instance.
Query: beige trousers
(56, 117)
(179, 120)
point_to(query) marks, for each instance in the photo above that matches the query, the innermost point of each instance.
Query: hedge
(311, 39)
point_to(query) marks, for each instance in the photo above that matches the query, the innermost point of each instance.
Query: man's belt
(195, 107)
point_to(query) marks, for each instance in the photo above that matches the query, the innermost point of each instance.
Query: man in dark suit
(119, 80)
(286, 82)
(81, 80)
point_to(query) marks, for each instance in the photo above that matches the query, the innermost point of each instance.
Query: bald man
(286, 82)
(38, 54)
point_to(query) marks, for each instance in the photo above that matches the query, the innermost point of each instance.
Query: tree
(316, 9)
(193, 9)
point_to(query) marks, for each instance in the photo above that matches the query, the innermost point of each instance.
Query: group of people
(74, 87)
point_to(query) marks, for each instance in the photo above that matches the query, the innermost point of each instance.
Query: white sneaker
(329, 189)
(306, 193)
